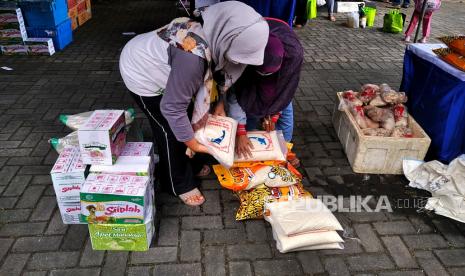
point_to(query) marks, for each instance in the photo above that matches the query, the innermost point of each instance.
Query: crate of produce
(377, 155)
(62, 34)
(44, 13)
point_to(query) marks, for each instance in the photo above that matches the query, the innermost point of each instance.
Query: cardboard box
(11, 15)
(84, 16)
(70, 212)
(73, 12)
(102, 137)
(127, 237)
(138, 149)
(17, 33)
(74, 23)
(81, 6)
(68, 175)
(128, 165)
(116, 199)
(40, 46)
(72, 4)
(14, 49)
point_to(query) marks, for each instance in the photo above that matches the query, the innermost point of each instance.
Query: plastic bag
(384, 116)
(320, 3)
(218, 136)
(400, 115)
(350, 98)
(236, 178)
(266, 146)
(273, 176)
(393, 22)
(353, 20)
(60, 143)
(252, 201)
(76, 120)
(377, 101)
(368, 93)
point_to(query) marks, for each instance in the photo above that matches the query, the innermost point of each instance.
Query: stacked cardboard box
(13, 36)
(12, 32)
(79, 11)
(68, 175)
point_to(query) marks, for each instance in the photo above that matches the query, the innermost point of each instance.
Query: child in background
(431, 6)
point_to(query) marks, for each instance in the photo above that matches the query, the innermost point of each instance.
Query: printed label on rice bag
(219, 132)
(127, 237)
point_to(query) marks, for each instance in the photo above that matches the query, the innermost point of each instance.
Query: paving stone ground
(207, 240)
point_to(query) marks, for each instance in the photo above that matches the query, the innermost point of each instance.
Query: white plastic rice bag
(302, 215)
(76, 120)
(266, 147)
(218, 136)
(60, 143)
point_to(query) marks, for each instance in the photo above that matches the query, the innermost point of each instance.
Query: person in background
(301, 16)
(396, 4)
(265, 92)
(165, 69)
(432, 5)
(330, 6)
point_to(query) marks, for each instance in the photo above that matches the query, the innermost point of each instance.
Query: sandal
(332, 18)
(204, 171)
(193, 198)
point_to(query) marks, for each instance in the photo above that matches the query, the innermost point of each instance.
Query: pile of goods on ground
(378, 110)
(104, 181)
(455, 54)
(270, 187)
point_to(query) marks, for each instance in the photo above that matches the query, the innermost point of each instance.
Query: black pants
(175, 170)
(301, 12)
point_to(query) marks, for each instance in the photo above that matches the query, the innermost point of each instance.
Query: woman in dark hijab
(266, 91)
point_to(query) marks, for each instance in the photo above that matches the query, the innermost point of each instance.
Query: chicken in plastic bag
(377, 101)
(380, 132)
(400, 115)
(382, 115)
(349, 99)
(401, 131)
(368, 93)
(76, 120)
(60, 143)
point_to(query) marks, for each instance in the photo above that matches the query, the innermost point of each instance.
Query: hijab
(237, 36)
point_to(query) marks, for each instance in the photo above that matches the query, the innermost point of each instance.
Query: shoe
(423, 40)
(405, 6)
(407, 38)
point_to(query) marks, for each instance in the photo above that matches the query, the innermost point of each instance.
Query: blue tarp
(436, 99)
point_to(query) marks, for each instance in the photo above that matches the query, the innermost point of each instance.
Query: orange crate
(72, 4)
(84, 17)
(74, 23)
(81, 6)
(73, 12)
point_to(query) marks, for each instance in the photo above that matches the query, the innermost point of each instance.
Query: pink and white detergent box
(102, 137)
(118, 199)
(68, 175)
(70, 212)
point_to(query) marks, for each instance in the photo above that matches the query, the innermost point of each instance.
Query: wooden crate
(377, 155)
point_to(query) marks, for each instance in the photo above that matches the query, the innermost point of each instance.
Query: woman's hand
(268, 124)
(194, 146)
(219, 109)
(243, 146)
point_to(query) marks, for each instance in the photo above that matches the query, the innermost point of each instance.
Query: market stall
(436, 93)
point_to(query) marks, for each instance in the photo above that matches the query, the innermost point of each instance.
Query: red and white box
(138, 149)
(68, 175)
(70, 212)
(102, 137)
